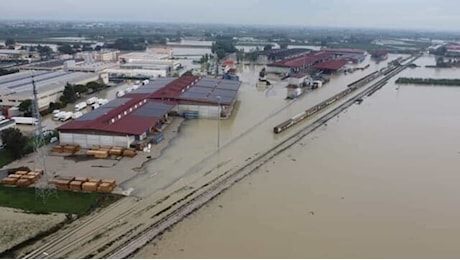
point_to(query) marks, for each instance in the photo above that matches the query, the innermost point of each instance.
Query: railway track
(189, 207)
(65, 241)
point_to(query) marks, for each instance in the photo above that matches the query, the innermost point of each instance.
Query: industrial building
(300, 63)
(71, 65)
(159, 63)
(100, 56)
(281, 54)
(328, 60)
(130, 119)
(51, 65)
(17, 87)
(353, 55)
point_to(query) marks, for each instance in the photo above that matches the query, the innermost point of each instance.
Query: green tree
(26, 107)
(15, 142)
(44, 51)
(69, 95)
(10, 41)
(66, 49)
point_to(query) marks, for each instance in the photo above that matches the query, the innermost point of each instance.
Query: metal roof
(135, 113)
(21, 84)
(331, 64)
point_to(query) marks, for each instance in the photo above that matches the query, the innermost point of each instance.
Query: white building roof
(21, 83)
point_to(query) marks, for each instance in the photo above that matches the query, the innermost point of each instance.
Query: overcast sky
(404, 14)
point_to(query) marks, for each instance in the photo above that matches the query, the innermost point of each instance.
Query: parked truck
(80, 106)
(91, 100)
(66, 116)
(25, 120)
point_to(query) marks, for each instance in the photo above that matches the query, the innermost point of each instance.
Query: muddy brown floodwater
(379, 181)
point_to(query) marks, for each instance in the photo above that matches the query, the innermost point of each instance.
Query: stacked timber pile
(22, 178)
(68, 148)
(116, 150)
(107, 186)
(89, 186)
(78, 184)
(75, 185)
(63, 182)
(130, 152)
(106, 152)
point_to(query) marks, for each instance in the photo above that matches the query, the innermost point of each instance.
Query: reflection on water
(379, 181)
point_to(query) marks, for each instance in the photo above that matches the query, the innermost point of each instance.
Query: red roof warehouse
(139, 113)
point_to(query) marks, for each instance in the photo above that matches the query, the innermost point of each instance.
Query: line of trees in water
(429, 81)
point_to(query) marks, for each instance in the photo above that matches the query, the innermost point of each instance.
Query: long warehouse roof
(21, 83)
(139, 110)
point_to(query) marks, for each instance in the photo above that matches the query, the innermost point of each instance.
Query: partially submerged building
(131, 118)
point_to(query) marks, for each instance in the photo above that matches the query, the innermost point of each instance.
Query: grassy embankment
(428, 81)
(64, 202)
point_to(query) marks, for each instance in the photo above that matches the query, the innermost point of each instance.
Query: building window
(119, 116)
(126, 112)
(135, 106)
(113, 120)
(130, 109)
(12, 100)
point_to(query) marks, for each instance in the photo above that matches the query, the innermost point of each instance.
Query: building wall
(275, 69)
(204, 111)
(89, 140)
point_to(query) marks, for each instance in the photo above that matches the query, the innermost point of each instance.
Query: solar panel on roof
(94, 114)
(153, 109)
(116, 102)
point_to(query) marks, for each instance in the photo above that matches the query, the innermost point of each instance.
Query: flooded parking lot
(379, 181)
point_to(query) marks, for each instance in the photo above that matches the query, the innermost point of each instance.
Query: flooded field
(194, 152)
(378, 181)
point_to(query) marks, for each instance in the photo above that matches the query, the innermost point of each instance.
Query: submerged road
(217, 188)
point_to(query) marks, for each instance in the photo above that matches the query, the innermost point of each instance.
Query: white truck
(80, 106)
(66, 116)
(58, 115)
(25, 120)
(91, 100)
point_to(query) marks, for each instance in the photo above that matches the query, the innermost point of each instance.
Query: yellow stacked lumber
(116, 151)
(112, 183)
(82, 179)
(91, 152)
(129, 153)
(15, 176)
(105, 187)
(62, 184)
(94, 180)
(31, 178)
(104, 149)
(23, 182)
(36, 174)
(89, 186)
(75, 185)
(101, 154)
(21, 172)
(9, 181)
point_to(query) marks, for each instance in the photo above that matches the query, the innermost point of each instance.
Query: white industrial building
(17, 87)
